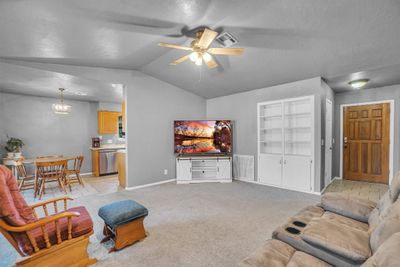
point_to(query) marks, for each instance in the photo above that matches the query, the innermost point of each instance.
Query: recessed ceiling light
(358, 84)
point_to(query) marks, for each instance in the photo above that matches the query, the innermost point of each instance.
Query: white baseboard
(205, 181)
(148, 185)
(295, 190)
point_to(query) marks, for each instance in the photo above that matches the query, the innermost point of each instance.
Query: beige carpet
(193, 225)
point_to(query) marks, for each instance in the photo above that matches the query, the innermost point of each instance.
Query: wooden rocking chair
(58, 239)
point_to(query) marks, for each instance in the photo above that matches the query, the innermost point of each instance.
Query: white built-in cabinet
(203, 169)
(286, 143)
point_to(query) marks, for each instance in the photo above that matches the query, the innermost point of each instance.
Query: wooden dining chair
(26, 180)
(50, 171)
(74, 175)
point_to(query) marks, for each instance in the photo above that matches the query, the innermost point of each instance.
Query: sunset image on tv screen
(196, 137)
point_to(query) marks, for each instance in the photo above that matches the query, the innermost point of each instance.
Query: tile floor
(371, 191)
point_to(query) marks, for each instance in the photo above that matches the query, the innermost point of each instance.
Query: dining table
(13, 162)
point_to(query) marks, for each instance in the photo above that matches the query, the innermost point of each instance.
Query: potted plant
(13, 147)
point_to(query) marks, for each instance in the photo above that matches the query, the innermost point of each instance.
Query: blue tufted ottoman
(123, 222)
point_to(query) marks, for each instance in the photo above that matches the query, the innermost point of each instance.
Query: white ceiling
(284, 40)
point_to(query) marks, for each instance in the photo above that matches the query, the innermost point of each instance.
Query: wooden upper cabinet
(108, 122)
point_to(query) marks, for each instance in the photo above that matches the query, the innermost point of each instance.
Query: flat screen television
(203, 137)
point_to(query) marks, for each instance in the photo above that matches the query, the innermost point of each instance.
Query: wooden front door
(366, 143)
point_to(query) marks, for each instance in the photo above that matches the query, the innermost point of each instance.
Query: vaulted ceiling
(284, 40)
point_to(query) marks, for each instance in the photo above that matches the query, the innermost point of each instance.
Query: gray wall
(151, 107)
(360, 96)
(31, 119)
(242, 108)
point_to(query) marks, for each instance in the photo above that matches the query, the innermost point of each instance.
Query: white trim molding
(391, 141)
(148, 185)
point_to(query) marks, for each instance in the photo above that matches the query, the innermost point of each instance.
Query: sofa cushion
(271, 253)
(338, 238)
(394, 187)
(279, 254)
(336, 218)
(301, 259)
(374, 219)
(81, 225)
(121, 212)
(308, 213)
(384, 204)
(355, 208)
(13, 207)
(387, 254)
(389, 225)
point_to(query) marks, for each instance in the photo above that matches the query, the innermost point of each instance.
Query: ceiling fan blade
(206, 38)
(226, 51)
(211, 63)
(179, 60)
(175, 46)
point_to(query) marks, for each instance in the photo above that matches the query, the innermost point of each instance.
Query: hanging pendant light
(61, 108)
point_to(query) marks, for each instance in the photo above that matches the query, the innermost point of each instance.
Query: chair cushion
(394, 187)
(13, 207)
(355, 208)
(122, 212)
(387, 255)
(338, 238)
(389, 225)
(81, 225)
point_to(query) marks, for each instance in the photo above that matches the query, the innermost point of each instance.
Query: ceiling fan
(201, 50)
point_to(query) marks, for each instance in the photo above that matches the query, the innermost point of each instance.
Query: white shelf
(297, 128)
(285, 143)
(271, 129)
(298, 114)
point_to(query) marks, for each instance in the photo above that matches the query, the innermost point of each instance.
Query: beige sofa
(340, 231)
(275, 253)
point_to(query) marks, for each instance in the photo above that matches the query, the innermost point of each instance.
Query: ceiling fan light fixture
(358, 84)
(194, 56)
(199, 61)
(207, 57)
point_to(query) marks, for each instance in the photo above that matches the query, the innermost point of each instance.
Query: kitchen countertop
(109, 146)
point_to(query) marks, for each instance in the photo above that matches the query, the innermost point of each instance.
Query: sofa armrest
(352, 207)
(338, 239)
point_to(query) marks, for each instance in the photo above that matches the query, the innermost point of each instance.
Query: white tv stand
(203, 169)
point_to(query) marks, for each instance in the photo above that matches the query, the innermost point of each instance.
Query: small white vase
(10, 155)
(17, 155)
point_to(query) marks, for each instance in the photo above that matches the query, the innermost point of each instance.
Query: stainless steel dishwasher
(108, 161)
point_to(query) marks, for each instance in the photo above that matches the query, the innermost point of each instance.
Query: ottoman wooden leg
(107, 234)
(129, 233)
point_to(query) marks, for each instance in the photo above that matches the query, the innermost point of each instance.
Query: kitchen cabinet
(108, 122)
